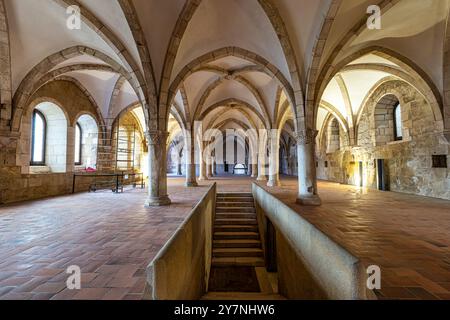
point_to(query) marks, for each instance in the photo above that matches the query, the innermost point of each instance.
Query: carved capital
(307, 136)
(156, 137)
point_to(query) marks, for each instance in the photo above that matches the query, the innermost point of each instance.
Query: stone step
(246, 296)
(235, 215)
(235, 228)
(238, 262)
(235, 221)
(237, 252)
(235, 204)
(237, 244)
(235, 209)
(231, 200)
(235, 195)
(236, 235)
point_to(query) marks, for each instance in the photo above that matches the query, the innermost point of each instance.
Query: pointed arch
(39, 71)
(264, 65)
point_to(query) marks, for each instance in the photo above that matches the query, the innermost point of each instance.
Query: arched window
(39, 135)
(78, 144)
(388, 120)
(48, 142)
(86, 143)
(333, 136)
(398, 126)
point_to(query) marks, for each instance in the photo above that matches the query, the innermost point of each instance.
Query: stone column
(208, 167)
(157, 154)
(6, 111)
(191, 180)
(261, 168)
(203, 171)
(179, 168)
(212, 170)
(254, 170)
(274, 159)
(262, 152)
(307, 179)
(70, 155)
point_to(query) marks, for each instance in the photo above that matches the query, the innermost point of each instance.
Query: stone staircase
(236, 240)
(235, 296)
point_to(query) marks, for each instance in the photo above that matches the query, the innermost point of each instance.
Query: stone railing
(310, 265)
(181, 269)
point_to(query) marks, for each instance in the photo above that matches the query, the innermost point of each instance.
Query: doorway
(361, 174)
(382, 175)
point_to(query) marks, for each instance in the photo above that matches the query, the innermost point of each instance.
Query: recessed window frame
(37, 113)
(398, 132)
(80, 146)
(439, 161)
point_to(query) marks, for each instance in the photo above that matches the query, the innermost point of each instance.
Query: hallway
(113, 238)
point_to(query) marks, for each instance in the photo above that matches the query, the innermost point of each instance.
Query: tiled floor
(407, 236)
(113, 237)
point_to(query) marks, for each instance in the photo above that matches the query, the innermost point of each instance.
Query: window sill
(40, 170)
(399, 142)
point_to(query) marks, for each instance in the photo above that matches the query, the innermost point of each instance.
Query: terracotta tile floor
(407, 236)
(113, 238)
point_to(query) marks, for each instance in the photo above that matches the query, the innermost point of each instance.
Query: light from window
(78, 138)
(38, 139)
(398, 122)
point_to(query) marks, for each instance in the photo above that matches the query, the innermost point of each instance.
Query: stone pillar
(262, 152)
(157, 158)
(211, 170)
(191, 180)
(70, 155)
(307, 179)
(6, 111)
(261, 168)
(203, 166)
(179, 168)
(274, 159)
(208, 167)
(254, 170)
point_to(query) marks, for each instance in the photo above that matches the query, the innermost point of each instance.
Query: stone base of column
(274, 183)
(192, 184)
(203, 178)
(261, 178)
(158, 202)
(254, 175)
(309, 200)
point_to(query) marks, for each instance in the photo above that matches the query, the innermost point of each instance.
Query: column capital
(156, 137)
(307, 136)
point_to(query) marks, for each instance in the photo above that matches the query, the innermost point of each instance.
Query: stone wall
(16, 182)
(333, 136)
(409, 162)
(131, 131)
(310, 264)
(181, 269)
(5, 71)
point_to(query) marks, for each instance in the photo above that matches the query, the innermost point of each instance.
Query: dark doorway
(382, 175)
(271, 247)
(361, 174)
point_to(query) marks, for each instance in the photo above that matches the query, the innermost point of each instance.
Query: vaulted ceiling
(255, 61)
